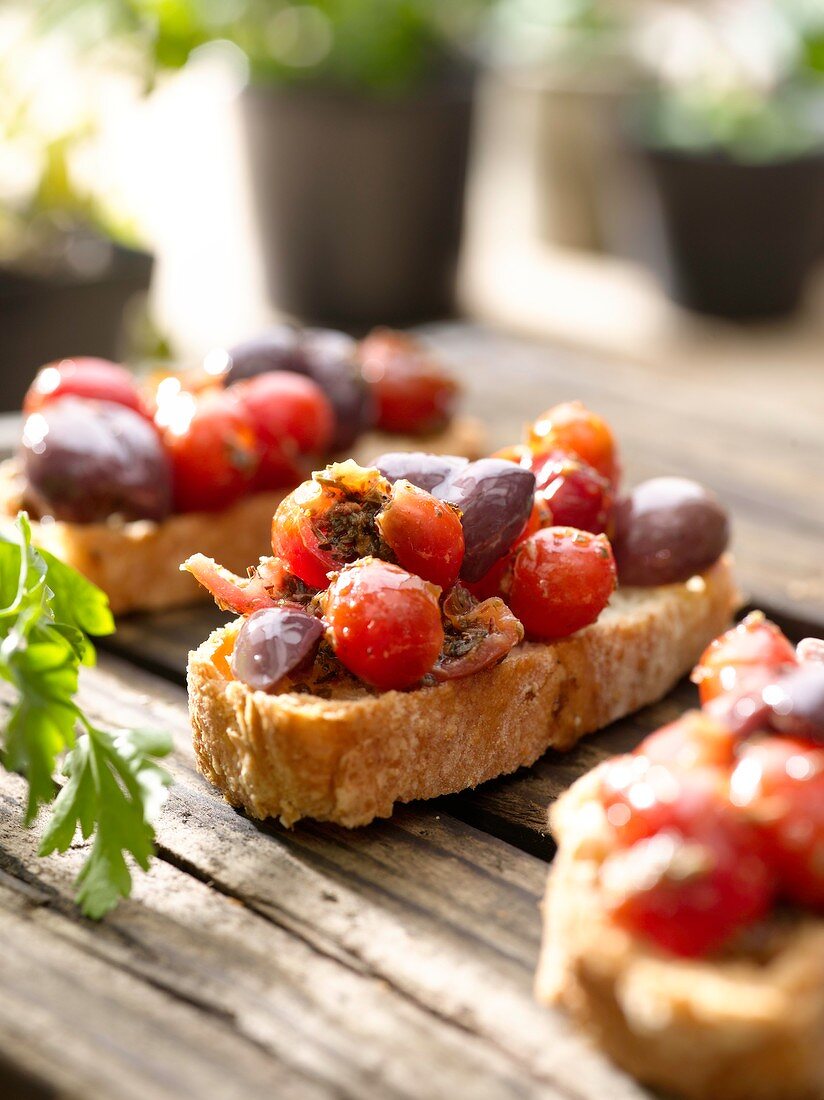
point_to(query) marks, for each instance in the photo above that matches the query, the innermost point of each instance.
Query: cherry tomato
(414, 394)
(348, 512)
(689, 889)
(492, 583)
(575, 493)
(779, 782)
(384, 623)
(573, 429)
(292, 419)
(84, 377)
(753, 648)
(643, 794)
(424, 534)
(694, 740)
(213, 448)
(561, 580)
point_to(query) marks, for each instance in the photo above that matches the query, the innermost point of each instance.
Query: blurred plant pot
(739, 239)
(70, 308)
(360, 200)
(578, 155)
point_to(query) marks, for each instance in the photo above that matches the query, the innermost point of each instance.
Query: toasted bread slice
(136, 563)
(351, 754)
(748, 1025)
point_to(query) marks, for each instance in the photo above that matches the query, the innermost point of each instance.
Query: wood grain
(360, 961)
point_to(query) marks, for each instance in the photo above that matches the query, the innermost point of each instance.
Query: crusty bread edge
(350, 760)
(136, 563)
(731, 1029)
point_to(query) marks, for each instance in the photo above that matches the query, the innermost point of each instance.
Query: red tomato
(292, 418)
(561, 581)
(573, 429)
(424, 534)
(689, 889)
(213, 449)
(779, 782)
(575, 493)
(751, 649)
(300, 532)
(84, 377)
(692, 741)
(644, 794)
(413, 392)
(384, 623)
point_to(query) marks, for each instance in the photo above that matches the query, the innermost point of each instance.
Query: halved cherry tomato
(83, 376)
(575, 430)
(424, 534)
(779, 783)
(561, 580)
(213, 449)
(414, 393)
(753, 648)
(384, 623)
(477, 635)
(293, 421)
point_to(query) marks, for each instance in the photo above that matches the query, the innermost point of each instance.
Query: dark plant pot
(739, 239)
(63, 313)
(360, 200)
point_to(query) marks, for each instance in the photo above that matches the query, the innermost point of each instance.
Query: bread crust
(745, 1026)
(349, 758)
(136, 563)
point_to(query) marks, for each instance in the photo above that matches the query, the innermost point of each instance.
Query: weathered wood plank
(252, 1004)
(442, 913)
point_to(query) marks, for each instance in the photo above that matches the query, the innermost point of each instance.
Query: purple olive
(424, 470)
(87, 460)
(325, 356)
(667, 530)
(796, 702)
(272, 643)
(495, 498)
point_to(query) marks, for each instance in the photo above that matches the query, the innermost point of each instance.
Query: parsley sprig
(114, 787)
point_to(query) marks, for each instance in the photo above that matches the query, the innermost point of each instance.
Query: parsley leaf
(114, 787)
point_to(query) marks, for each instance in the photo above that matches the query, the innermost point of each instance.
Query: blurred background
(636, 177)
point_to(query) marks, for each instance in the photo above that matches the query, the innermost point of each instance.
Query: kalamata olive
(325, 356)
(495, 498)
(272, 643)
(86, 460)
(796, 702)
(424, 470)
(667, 530)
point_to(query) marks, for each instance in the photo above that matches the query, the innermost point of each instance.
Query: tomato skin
(295, 538)
(213, 450)
(293, 420)
(384, 623)
(414, 394)
(425, 534)
(694, 740)
(575, 494)
(84, 376)
(690, 888)
(744, 654)
(573, 429)
(561, 580)
(779, 781)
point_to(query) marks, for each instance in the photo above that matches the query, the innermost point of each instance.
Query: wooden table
(395, 960)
